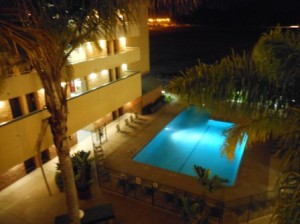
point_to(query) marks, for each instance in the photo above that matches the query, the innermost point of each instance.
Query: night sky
(245, 12)
(223, 26)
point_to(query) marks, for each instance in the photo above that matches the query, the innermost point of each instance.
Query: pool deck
(27, 201)
(255, 175)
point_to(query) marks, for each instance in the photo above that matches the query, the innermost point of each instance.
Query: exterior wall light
(104, 72)
(122, 43)
(124, 67)
(93, 76)
(2, 104)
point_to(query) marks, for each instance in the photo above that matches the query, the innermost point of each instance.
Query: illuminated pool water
(192, 139)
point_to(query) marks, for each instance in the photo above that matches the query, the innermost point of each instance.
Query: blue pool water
(192, 139)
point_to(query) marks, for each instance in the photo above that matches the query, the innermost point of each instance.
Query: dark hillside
(175, 48)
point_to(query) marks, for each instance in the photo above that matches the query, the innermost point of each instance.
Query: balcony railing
(46, 113)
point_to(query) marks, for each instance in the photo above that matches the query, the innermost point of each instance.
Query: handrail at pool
(170, 198)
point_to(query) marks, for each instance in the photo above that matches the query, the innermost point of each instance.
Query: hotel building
(107, 83)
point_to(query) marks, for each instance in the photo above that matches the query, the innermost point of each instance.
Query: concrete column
(110, 47)
(118, 72)
(86, 83)
(16, 70)
(37, 101)
(112, 75)
(117, 45)
(23, 104)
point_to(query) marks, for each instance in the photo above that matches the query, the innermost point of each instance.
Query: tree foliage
(277, 56)
(259, 92)
(234, 90)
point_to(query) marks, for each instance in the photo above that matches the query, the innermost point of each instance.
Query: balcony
(84, 68)
(31, 82)
(20, 135)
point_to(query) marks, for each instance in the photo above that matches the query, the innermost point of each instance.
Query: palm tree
(277, 55)
(44, 33)
(206, 180)
(260, 94)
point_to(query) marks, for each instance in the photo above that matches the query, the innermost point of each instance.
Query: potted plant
(82, 165)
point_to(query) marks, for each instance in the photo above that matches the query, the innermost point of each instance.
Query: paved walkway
(27, 201)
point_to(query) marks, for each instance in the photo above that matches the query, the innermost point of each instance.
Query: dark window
(29, 165)
(15, 107)
(30, 98)
(45, 156)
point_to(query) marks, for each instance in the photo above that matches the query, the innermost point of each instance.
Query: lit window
(77, 85)
(77, 82)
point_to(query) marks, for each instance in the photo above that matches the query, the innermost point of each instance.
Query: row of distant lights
(159, 20)
(295, 26)
(289, 27)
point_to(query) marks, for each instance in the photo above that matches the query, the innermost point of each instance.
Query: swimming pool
(191, 138)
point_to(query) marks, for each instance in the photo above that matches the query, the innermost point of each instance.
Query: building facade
(107, 83)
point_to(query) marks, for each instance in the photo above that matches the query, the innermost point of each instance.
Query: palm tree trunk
(58, 124)
(69, 186)
(63, 153)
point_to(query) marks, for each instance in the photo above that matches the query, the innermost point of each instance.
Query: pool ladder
(102, 171)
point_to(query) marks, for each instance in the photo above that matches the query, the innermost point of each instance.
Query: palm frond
(234, 90)
(260, 94)
(277, 55)
(288, 198)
